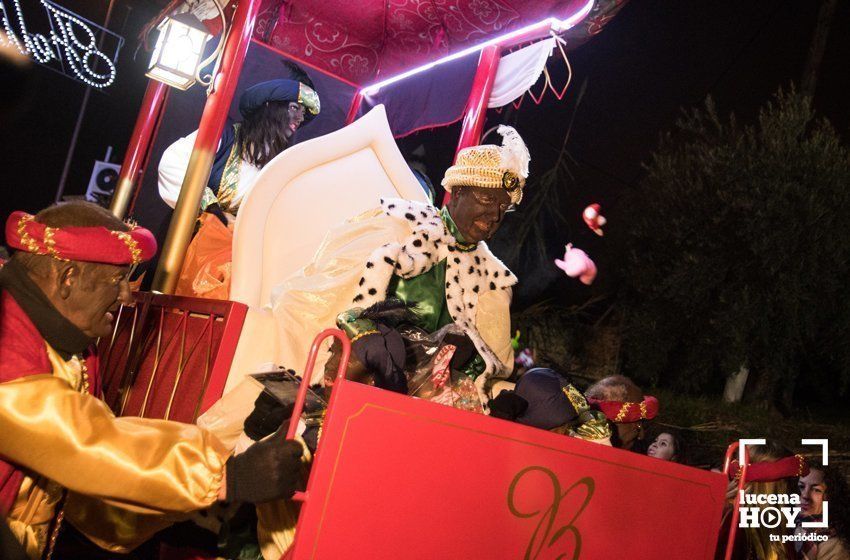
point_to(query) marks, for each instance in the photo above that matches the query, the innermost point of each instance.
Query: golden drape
(131, 471)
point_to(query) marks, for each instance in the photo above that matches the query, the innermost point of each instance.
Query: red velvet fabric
(89, 244)
(787, 467)
(633, 412)
(23, 352)
(178, 348)
(370, 40)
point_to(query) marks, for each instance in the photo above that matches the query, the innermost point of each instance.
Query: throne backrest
(308, 189)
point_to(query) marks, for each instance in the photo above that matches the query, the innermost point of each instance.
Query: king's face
(478, 212)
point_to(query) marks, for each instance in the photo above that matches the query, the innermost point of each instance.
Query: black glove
(267, 417)
(508, 406)
(269, 470)
(215, 210)
(383, 355)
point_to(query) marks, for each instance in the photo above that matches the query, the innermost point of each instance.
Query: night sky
(36, 142)
(654, 58)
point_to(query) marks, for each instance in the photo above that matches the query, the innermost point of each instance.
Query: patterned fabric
(362, 41)
(278, 90)
(626, 412)
(492, 167)
(89, 244)
(230, 177)
(794, 466)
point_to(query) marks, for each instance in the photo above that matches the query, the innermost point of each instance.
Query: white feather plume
(515, 154)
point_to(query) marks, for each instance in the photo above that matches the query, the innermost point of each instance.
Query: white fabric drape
(519, 71)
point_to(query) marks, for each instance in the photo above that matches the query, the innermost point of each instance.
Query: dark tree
(738, 254)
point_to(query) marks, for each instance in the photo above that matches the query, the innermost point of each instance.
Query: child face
(664, 447)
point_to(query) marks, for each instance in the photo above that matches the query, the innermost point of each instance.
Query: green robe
(426, 294)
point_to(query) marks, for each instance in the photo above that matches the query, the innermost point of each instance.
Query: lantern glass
(179, 50)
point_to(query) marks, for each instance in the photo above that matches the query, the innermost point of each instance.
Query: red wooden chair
(169, 356)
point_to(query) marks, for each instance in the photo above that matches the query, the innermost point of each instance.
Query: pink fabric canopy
(363, 41)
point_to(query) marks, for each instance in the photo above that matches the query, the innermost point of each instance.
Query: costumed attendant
(272, 111)
(117, 480)
(436, 261)
(544, 399)
(625, 406)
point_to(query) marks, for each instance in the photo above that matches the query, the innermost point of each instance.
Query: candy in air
(594, 219)
(577, 264)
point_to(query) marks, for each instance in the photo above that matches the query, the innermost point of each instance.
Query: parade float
(393, 476)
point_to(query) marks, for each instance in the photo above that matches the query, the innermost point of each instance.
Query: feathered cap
(492, 167)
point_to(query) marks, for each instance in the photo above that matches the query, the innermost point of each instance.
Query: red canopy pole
(479, 96)
(356, 101)
(209, 131)
(137, 150)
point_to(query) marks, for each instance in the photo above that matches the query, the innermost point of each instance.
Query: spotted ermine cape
(469, 274)
(412, 236)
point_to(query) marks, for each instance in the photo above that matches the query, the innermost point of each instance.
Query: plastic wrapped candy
(594, 219)
(433, 367)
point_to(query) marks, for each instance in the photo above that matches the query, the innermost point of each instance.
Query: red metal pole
(307, 375)
(736, 506)
(141, 177)
(137, 150)
(356, 101)
(479, 96)
(209, 132)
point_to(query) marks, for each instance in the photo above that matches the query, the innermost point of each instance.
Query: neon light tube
(555, 24)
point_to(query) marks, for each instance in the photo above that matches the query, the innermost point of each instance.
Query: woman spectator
(824, 484)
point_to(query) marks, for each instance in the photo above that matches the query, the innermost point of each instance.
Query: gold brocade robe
(127, 478)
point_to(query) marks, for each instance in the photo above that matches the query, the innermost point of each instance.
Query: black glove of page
(216, 210)
(508, 406)
(269, 470)
(268, 415)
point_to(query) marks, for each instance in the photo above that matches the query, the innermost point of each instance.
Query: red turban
(625, 412)
(788, 467)
(95, 244)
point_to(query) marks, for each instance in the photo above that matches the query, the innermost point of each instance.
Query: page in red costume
(22, 353)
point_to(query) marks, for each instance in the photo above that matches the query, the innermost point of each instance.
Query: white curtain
(519, 71)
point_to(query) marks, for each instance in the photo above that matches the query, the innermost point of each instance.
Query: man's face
(295, 116)
(629, 433)
(91, 295)
(478, 212)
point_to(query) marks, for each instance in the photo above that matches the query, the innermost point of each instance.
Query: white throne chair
(300, 195)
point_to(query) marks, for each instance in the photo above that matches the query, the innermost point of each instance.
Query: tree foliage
(737, 251)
